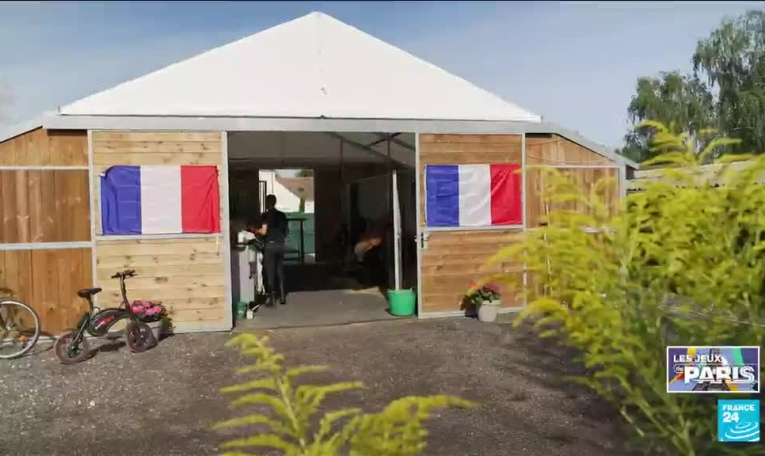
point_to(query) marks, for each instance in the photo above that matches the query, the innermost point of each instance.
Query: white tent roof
(312, 67)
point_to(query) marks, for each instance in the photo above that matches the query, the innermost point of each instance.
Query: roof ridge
(423, 61)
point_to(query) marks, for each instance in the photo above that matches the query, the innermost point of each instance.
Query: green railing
(301, 239)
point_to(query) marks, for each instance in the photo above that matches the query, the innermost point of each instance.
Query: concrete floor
(321, 308)
(319, 296)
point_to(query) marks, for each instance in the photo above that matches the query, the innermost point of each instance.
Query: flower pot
(488, 310)
(156, 328)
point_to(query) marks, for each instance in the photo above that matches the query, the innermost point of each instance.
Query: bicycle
(73, 347)
(15, 316)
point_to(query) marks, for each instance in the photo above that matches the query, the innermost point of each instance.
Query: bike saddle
(87, 292)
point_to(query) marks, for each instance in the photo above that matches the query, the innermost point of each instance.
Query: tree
(305, 173)
(679, 265)
(681, 102)
(733, 60)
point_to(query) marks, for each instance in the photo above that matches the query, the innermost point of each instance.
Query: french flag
(162, 199)
(473, 195)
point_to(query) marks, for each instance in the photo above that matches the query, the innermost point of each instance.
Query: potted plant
(153, 313)
(485, 298)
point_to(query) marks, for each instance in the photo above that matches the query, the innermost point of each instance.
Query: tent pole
(343, 207)
(396, 224)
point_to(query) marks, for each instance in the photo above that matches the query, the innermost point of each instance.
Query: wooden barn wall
(46, 148)
(452, 261)
(150, 148)
(48, 281)
(585, 180)
(40, 205)
(187, 273)
(42, 202)
(553, 150)
(466, 150)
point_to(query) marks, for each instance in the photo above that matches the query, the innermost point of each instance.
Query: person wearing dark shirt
(274, 231)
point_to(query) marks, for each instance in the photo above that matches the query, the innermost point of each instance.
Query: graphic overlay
(738, 420)
(706, 369)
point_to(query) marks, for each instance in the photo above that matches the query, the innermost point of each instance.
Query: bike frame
(89, 322)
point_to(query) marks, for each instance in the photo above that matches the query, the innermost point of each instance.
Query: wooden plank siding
(42, 147)
(187, 274)
(48, 281)
(44, 206)
(553, 150)
(452, 261)
(584, 178)
(151, 148)
(41, 204)
(466, 150)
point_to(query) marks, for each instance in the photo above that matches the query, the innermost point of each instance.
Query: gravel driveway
(163, 402)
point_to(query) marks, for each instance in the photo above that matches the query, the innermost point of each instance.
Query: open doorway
(344, 251)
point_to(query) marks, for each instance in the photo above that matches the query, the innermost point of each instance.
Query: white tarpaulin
(314, 66)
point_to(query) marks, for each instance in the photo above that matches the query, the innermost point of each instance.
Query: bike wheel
(139, 337)
(68, 354)
(19, 329)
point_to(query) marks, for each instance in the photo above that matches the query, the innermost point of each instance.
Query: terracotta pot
(488, 310)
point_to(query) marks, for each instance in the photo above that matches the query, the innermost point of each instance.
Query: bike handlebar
(124, 274)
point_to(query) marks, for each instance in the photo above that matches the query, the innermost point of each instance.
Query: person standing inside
(274, 230)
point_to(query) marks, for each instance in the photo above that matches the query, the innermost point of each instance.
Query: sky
(576, 63)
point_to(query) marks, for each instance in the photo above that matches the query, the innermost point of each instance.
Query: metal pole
(396, 225)
(302, 245)
(396, 232)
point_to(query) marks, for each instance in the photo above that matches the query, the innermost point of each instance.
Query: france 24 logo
(738, 420)
(707, 369)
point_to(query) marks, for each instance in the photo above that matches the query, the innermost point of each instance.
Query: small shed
(311, 93)
(713, 174)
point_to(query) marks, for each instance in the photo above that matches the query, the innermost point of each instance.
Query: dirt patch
(163, 402)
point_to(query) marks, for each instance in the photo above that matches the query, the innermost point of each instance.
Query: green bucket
(401, 302)
(241, 310)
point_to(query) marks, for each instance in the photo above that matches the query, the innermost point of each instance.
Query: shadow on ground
(162, 402)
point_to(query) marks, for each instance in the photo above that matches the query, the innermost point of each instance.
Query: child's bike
(73, 347)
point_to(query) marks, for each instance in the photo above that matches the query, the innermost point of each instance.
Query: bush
(684, 265)
(292, 427)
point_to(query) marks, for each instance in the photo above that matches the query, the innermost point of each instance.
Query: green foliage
(682, 266)
(683, 103)
(732, 61)
(294, 426)
(304, 173)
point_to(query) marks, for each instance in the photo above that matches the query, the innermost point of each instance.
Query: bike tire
(35, 336)
(139, 337)
(61, 348)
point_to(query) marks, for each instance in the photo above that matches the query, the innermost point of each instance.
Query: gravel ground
(162, 402)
